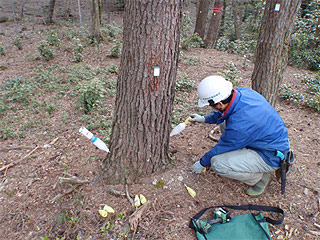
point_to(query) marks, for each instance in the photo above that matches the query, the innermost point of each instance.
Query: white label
(156, 71)
(277, 7)
(85, 132)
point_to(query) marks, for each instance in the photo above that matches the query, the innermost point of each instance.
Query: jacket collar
(230, 106)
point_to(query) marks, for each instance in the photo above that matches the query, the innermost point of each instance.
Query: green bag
(242, 227)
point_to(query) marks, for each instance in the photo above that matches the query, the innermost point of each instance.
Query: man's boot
(260, 187)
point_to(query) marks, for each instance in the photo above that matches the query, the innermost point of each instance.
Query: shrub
(116, 49)
(91, 93)
(17, 42)
(310, 96)
(17, 90)
(187, 39)
(2, 50)
(46, 51)
(53, 39)
(231, 73)
(185, 83)
(77, 50)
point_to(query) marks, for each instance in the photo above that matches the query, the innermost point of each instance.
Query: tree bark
(222, 21)
(236, 19)
(317, 34)
(202, 15)
(22, 8)
(271, 54)
(144, 101)
(49, 15)
(214, 26)
(95, 20)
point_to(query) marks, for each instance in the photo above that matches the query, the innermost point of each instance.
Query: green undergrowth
(57, 92)
(308, 94)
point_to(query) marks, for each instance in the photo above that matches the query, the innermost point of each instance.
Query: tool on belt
(286, 162)
(220, 214)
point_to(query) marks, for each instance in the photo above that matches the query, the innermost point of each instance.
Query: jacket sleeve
(212, 117)
(231, 140)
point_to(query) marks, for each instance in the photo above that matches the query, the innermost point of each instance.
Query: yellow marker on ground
(190, 190)
(143, 199)
(137, 201)
(106, 209)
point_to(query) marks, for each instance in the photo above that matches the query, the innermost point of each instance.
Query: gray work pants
(244, 165)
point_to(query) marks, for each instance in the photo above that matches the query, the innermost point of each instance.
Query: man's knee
(219, 165)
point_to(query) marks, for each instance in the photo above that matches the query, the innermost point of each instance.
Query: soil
(34, 203)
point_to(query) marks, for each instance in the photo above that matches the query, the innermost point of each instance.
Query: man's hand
(197, 118)
(197, 167)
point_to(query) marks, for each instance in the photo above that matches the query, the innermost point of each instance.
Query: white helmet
(214, 88)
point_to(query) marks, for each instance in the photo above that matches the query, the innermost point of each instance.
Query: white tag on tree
(277, 7)
(156, 71)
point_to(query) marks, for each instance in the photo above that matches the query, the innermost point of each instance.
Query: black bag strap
(249, 207)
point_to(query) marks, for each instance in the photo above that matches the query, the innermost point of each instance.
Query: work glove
(197, 167)
(197, 118)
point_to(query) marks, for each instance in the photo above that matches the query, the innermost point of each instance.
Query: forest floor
(39, 134)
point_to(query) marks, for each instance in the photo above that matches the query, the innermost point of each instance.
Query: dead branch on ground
(136, 216)
(68, 191)
(5, 168)
(72, 180)
(9, 148)
(20, 160)
(128, 196)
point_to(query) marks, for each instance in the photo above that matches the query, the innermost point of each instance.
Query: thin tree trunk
(271, 54)
(317, 35)
(236, 19)
(202, 15)
(100, 10)
(222, 21)
(142, 116)
(80, 17)
(95, 20)
(22, 8)
(214, 26)
(14, 17)
(49, 15)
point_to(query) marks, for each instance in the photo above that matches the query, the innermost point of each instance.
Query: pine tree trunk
(95, 20)
(50, 10)
(271, 54)
(236, 19)
(317, 35)
(222, 21)
(142, 117)
(202, 14)
(214, 26)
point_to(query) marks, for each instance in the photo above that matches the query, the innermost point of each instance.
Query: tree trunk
(22, 8)
(95, 20)
(142, 116)
(214, 26)
(222, 21)
(236, 19)
(100, 10)
(271, 54)
(317, 35)
(202, 15)
(49, 14)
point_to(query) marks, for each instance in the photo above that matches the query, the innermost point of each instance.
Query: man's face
(219, 107)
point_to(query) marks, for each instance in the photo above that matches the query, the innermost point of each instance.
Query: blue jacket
(251, 122)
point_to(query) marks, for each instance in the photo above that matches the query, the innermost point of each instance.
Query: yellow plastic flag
(137, 201)
(103, 213)
(106, 209)
(143, 199)
(190, 190)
